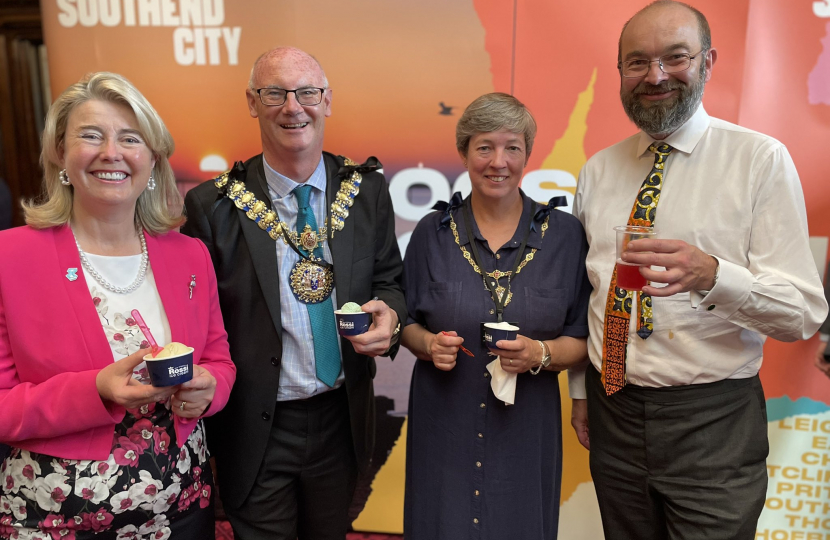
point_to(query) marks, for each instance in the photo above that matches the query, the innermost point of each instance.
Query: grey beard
(665, 118)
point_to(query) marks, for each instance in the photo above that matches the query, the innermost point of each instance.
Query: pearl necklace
(139, 279)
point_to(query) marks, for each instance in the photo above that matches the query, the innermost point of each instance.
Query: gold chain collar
(269, 221)
(496, 274)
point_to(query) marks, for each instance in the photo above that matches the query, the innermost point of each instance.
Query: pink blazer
(52, 344)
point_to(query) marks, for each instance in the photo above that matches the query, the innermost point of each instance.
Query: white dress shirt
(298, 372)
(735, 194)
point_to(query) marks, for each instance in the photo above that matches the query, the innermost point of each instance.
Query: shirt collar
(281, 186)
(534, 240)
(684, 139)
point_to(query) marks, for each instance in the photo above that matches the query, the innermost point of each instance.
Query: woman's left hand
(519, 355)
(193, 397)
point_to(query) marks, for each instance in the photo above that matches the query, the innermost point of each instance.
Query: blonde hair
(492, 112)
(157, 211)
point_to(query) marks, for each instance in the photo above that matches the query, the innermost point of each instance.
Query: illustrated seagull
(445, 110)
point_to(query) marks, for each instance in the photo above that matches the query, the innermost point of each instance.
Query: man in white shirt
(678, 430)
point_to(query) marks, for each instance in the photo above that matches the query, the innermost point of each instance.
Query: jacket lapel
(89, 331)
(341, 242)
(171, 280)
(260, 245)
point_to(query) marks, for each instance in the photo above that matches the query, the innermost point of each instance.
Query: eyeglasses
(274, 97)
(670, 63)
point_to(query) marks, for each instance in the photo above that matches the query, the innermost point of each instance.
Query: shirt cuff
(729, 293)
(576, 380)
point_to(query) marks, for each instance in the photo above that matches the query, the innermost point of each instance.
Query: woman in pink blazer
(96, 449)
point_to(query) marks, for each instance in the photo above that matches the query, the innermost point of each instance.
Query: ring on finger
(511, 361)
(181, 405)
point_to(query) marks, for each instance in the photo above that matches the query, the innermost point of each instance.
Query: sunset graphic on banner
(402, 73)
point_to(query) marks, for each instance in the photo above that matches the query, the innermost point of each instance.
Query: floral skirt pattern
(147, 483)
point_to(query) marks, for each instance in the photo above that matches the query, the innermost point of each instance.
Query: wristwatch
(545, 358)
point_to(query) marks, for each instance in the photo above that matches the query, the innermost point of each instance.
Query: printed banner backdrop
(401, 74)
(786, 93)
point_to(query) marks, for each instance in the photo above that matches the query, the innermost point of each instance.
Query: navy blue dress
(477, 468)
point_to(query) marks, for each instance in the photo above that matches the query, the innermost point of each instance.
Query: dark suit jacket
(367, 263)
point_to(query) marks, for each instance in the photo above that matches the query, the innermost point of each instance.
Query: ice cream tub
(495, 332)
(351, 320)
(171, 366)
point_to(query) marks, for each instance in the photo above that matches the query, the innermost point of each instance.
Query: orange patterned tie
(618, 305)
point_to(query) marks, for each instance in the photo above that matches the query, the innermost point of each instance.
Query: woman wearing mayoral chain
(477, 467)
(97, 451)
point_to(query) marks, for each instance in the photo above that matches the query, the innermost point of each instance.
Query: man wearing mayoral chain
(294, 234)
(675, 415)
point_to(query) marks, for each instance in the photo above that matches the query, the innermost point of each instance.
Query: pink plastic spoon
(146, 331)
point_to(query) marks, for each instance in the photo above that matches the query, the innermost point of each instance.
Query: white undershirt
(114, 308)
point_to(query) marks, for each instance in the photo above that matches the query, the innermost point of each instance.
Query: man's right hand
(686, 266)
(579, 420)
(115, 383)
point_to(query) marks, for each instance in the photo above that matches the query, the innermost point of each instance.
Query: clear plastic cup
(628, 274)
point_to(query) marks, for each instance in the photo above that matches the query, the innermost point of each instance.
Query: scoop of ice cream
(173, 349)
(502, 326)
(350, 307)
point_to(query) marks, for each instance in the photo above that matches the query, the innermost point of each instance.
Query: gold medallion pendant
(310, 282)
(309, 239)
(500, 292)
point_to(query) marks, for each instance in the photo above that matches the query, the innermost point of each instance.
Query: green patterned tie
(321, 315)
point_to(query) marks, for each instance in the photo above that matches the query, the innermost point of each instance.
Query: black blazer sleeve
(387, 277)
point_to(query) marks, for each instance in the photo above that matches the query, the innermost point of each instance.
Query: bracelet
(537, 369)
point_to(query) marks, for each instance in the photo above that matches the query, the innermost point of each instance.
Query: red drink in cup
(629, 277)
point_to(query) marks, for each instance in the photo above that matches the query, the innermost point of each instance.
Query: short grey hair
(703, 30)
(281, 51)
(492, 112)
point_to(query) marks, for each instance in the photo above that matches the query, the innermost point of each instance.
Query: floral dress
(147, 488)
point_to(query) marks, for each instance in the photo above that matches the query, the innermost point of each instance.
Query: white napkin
(502, 382)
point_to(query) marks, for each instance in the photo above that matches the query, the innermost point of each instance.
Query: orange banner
(402, 72)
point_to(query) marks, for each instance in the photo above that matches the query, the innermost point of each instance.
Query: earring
(151, 185)
(64, 179)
